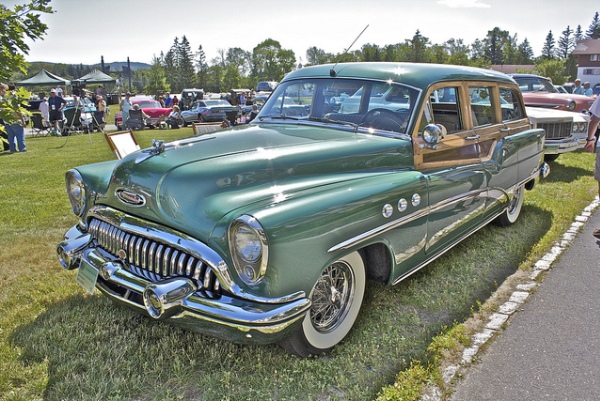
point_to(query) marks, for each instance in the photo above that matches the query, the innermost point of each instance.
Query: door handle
(472, 137)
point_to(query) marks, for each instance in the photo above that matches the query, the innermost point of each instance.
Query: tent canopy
(96, 77)
(44, 78)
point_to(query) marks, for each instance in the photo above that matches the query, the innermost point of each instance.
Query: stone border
(518, 297)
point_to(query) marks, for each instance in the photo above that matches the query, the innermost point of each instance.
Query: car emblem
(130, 198)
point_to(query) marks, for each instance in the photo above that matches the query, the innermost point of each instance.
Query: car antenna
(332, 71)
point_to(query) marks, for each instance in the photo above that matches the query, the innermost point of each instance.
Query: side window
(511, 107)
(481, 106)
(444, 109)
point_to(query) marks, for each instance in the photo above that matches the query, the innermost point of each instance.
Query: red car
(149, 106)
(540, 92)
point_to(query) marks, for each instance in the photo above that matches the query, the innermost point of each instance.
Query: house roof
(513, 68)
(587, 46)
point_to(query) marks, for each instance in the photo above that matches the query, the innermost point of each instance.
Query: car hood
(194, 182)
(543, 115)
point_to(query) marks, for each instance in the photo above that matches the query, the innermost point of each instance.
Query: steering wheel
(384, 119)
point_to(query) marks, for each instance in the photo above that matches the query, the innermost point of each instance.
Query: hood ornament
(158, 147)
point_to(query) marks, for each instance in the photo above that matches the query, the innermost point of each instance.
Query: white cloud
(463, 4)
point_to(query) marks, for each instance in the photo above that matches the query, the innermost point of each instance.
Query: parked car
(266, 86)
(188, 96)
(150, 106)
(84, 104)
(540, 92)
(211, 110)
(566, 131)
(268, 232)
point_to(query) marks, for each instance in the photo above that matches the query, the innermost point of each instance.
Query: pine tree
(185, 69)
(566, 43)
(593, 31)
(549, 47)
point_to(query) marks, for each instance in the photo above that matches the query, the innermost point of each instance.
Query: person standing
(125, 107)
(56, 104)
(587, 90)
(15, 129)
(101, 107)
(592, 144)
(168, 100)
(578, 89)
(45, 111)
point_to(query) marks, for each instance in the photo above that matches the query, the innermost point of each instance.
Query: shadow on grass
(561, 173)
(97, 350)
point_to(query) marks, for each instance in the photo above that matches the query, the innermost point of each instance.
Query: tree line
(181, 67)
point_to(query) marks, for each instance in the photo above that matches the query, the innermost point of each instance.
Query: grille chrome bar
(152, 259)
(557, 130)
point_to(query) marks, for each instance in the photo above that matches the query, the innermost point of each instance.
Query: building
(587, 53)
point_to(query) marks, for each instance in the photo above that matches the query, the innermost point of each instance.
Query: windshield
(148, 104)
(535, 84)
(373, 105)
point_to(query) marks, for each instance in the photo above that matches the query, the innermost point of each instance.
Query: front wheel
(336, 300)
(512, 212)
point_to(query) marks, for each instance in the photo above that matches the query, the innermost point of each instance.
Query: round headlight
(571, 105)
(76, 191)
(249, 249)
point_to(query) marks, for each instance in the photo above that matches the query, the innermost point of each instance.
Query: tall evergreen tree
(494, 43)
(524, 53)
(549, 46)
(202, 68)
(185, 70)
(578, 35)
(593, 31)
(566, 43)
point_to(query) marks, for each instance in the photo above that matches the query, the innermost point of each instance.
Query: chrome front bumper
(178, 301)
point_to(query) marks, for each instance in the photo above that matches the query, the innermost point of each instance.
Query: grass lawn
(59, 343)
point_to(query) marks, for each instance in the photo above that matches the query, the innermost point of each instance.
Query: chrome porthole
(387, 210)
(416, 200)
(402, 205)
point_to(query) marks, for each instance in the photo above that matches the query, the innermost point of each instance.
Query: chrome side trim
(349, 243)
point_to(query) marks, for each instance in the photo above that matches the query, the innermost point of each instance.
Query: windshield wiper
(330, 120)
(280, 117)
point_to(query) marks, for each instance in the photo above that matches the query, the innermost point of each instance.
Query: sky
(81, 32)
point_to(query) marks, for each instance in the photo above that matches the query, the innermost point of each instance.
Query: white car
(566, 131)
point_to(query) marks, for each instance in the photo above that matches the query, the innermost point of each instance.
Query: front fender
(304, 229)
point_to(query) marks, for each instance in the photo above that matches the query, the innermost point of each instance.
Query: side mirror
(434, 133)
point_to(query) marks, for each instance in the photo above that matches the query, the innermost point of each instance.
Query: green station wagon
(268, 232)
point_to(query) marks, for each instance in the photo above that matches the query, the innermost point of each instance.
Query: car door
(456, 178)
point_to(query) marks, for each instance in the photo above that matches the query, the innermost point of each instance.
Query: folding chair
(39, 127)
(135, 120)
(73, 124)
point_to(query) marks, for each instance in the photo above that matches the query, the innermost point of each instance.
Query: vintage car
(540, 92)
(151, 107)
(268, 232)
(210, 110)
(566, 131)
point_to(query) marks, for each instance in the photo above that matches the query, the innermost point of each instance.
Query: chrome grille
(153, 260)
(557, 130)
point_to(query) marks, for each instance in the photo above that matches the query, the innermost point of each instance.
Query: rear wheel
(336, 300)
(512, 212)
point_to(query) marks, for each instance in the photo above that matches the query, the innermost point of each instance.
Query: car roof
(527, 76)
(413, 74)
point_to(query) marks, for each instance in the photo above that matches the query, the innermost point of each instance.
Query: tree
(185, 68)
(494, 44)
(316, 56)
(578, 34)
(419, 45)
(201, 67)
(458, 52)
(593, 31)
(23, 21)
(566, 43)
(157, 80)
(270, 62)
(548, 49)
(553, 69)
(524, 53)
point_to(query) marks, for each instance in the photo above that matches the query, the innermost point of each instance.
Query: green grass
(59, 343)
